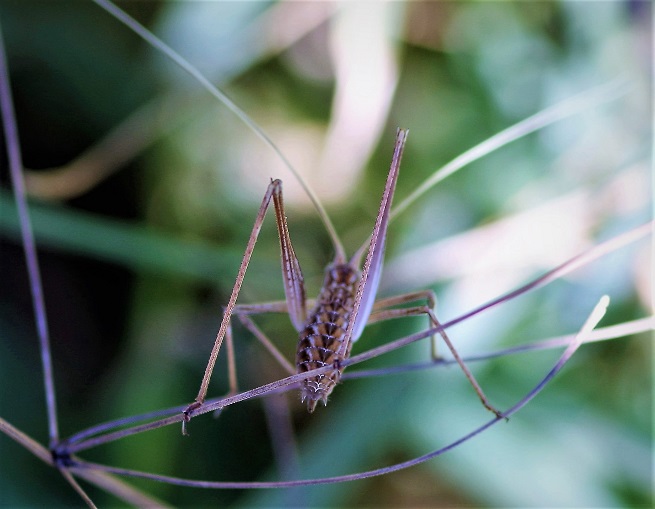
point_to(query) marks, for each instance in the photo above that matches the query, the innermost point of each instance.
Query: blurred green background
(140, 242)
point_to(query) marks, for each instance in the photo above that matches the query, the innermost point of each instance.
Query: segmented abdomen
(324, 334)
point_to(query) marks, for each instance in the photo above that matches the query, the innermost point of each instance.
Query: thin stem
(603, 334)
(76, 486)
(117, 435)
(119, 423)
(568, 266)
(209, 406)
(590, 323)
(29, 247)
(26, 441)
(119, 488)
(559, 111)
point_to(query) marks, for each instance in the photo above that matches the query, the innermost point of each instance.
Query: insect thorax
(321, 340)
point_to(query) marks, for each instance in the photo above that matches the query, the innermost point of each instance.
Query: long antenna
(160, 45)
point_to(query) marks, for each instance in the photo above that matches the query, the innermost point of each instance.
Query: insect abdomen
(322, 338)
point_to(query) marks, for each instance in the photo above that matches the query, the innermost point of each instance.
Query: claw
(187, 416)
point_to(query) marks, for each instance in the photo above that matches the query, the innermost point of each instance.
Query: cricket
(342, 309)
(471, 324)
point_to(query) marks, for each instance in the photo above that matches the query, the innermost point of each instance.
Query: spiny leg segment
(274, 189)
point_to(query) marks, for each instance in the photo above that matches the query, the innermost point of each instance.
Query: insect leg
(386, 314)
(293, 287)
(274, 189)
(380, 308)
(263, 339)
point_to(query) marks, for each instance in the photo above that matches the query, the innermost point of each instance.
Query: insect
(343, 307)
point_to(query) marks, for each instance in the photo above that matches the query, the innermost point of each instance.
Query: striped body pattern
(321, 340)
